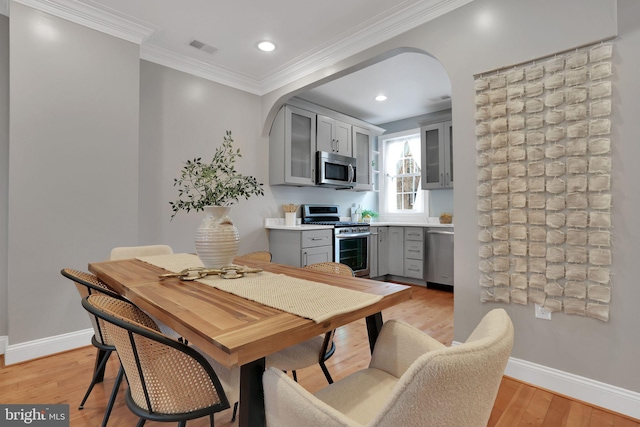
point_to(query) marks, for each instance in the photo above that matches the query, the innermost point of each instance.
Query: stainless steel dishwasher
(439, 256)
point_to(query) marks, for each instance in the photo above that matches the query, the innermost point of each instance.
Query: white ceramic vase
(217, 239)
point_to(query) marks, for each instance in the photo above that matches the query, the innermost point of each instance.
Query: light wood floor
(63, 378)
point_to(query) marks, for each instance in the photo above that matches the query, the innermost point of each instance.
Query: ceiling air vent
(203, 46)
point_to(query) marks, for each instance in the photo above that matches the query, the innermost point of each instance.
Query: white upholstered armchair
(412, 380)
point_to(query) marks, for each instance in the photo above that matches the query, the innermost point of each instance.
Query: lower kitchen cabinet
(420, 253)
(379, 253)
(396, 251)
(414, 252)
(301, 248)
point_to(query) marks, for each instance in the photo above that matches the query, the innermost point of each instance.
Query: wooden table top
(232, 329)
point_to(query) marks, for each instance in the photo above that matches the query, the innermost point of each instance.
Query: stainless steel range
(351, 240)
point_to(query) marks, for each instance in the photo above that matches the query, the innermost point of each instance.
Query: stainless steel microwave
(334, 170)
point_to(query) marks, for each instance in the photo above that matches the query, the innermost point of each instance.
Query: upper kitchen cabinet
(334, 136)
(301, 129)
(292, 147)
(362, 151)
(437, 155)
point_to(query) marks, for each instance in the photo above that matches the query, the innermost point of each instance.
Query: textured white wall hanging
(544, 187)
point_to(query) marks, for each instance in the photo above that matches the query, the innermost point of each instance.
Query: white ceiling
(308, 35)
(414, 84)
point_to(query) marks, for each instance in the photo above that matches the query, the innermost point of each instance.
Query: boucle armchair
(412, 380)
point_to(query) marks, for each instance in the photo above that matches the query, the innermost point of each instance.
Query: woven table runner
(305, 298)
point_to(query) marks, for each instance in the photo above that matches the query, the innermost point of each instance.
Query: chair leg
(97, 375)
(235, 412)
(112, 398)
(326, 372)
(97, 371)
(182, 423)
(141, 422)
(211, 420)
(295, 376)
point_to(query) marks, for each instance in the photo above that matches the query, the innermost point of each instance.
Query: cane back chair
(168, 380)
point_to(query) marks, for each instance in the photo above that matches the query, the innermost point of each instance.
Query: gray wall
(521, 31)
(72, 164)
(182, 117)
(4, 167)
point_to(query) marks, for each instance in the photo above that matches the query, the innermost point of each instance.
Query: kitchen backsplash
(440, 201)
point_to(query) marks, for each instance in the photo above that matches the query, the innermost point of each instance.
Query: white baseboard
(587, 390)
(4, 340)
(594, 392)
(46, 346)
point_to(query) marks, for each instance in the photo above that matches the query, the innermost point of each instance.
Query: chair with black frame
(127, 252)
(168, 380)
(315, 350)
(88, 284)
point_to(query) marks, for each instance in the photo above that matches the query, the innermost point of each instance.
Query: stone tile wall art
(544, 182)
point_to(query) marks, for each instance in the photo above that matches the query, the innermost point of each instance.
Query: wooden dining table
(235, 331)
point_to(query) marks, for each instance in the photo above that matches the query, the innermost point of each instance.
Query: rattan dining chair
(168, 380)
(126, 252)
(259, 255)
(315, 350)
(88, 284)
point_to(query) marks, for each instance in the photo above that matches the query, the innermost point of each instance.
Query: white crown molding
(202, 69)
(96, 18)
(4, 7)
(46, 346)
(368, 35)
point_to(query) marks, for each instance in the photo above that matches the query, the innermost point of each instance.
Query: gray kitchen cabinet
(437, 155)
(292, 147)
(333, 136)
(414, 252)
(396, 251)
(362, 151)
(440, 256)
(379, 254)
(301, 248)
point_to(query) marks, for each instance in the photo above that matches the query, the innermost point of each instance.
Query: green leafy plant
(216, 183)
(369, 213)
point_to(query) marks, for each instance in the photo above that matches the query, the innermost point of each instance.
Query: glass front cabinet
(292, 147)
(362, 151)
(437, 155)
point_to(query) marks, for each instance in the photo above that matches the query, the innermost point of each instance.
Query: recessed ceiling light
(381, 98)
(266, 46)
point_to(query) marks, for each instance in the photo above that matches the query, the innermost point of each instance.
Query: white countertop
(409, 224)
(278, 224)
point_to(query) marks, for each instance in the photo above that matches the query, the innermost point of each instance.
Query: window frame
(420, 210)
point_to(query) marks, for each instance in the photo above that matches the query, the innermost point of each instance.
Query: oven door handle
(352, 235)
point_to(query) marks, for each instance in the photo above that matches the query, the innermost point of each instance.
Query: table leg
(252, 394)
(374, 325)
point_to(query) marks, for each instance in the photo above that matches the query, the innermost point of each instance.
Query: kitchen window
(402, 191)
